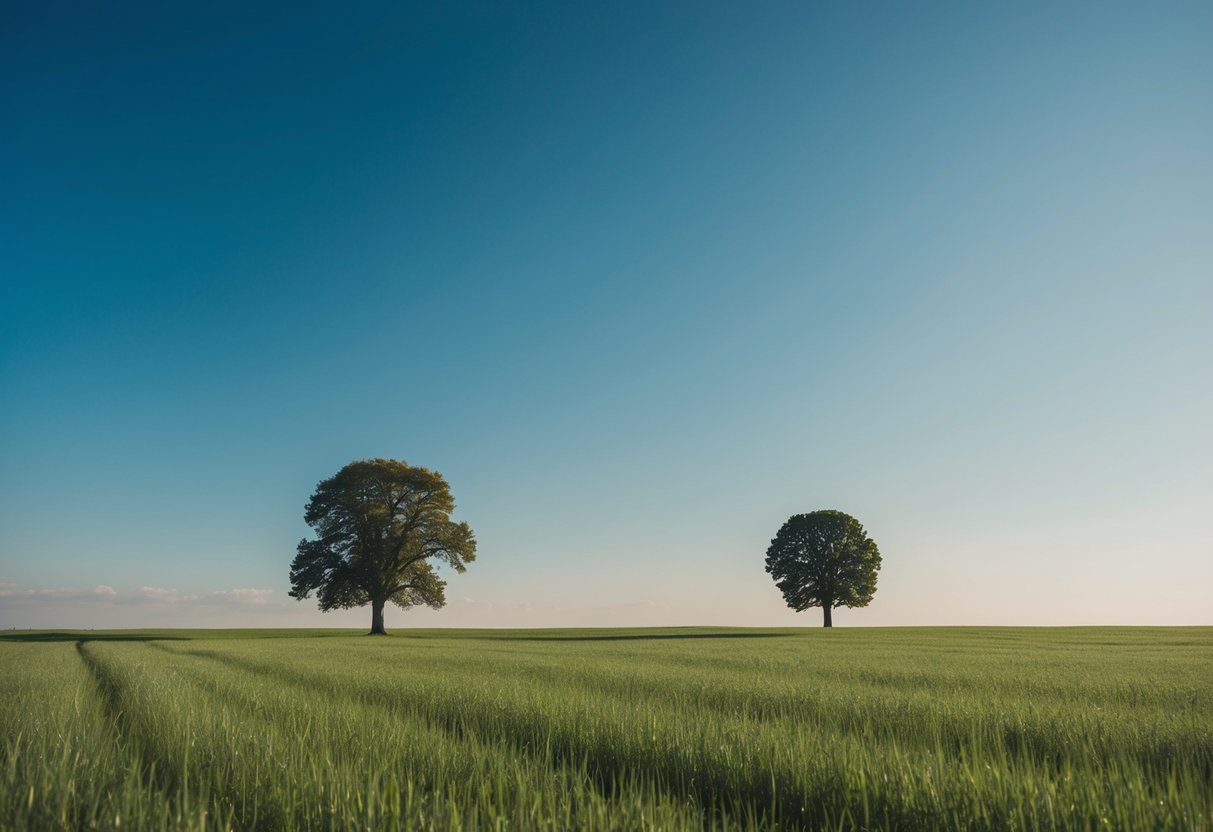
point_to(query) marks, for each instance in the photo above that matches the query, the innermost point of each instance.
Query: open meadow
(688, 728)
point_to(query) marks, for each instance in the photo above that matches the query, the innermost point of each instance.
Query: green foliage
(824, 559)
(675, 729)
(380, 524)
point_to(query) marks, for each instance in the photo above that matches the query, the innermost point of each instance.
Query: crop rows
(679, 729)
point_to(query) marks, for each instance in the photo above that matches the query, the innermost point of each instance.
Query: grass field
(1093, 728)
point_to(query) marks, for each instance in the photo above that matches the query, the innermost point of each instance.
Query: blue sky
(640, 282)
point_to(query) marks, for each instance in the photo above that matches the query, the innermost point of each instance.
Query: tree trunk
(829, 621)
(377, 619)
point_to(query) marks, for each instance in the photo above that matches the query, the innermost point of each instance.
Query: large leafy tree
(824, 559)
(380, 526)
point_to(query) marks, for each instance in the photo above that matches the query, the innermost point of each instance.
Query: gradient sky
(640, 281)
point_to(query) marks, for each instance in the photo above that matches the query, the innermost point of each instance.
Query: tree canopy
(380, 525)
(824, 559)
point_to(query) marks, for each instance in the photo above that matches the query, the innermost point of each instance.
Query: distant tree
(380, 524)
(824, 559)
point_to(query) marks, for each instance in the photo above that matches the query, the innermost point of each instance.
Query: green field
(1092, 728)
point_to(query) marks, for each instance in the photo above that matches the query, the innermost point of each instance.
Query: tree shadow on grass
(633, 636)
(81, 635)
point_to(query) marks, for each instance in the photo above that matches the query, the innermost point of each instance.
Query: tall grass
(662, 729)
(65, 764)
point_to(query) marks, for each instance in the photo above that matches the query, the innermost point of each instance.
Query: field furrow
(619, 730)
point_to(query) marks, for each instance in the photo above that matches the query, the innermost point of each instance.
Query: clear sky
(641, 280)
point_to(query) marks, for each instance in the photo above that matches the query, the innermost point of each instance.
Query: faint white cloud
(143, 595)
(104, 605)
(156, 593)
(60, 592)
(65, 592)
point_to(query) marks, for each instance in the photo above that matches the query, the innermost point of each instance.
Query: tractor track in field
(725, 749)
(1018, 742)
(770, 798)
(161, 775)
(430, 721)
(438, 722)
(779, 799)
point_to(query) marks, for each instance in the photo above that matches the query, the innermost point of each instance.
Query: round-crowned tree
(824, 559)
(380, 525)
